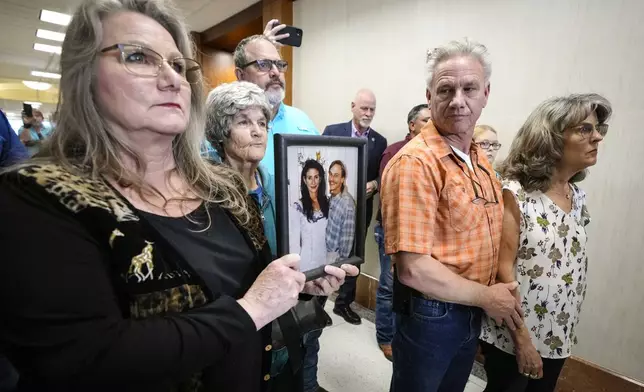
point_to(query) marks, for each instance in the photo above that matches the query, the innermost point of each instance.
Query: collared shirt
(341, 228)
(288, 120)
(386, 157)
(429, 207)
(355, 133)
(264, 196)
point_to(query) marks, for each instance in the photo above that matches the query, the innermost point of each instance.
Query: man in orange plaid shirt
(442, 210)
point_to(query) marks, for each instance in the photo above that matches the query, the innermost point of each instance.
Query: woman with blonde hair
(544, 243)
(487, 138)
(153, 273)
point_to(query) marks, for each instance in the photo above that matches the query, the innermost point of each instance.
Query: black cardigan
(94, 299)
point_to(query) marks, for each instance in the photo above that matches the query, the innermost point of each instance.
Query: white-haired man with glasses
(442, 216)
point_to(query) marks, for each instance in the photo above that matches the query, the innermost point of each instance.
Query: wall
(539, 48)
(218, 67)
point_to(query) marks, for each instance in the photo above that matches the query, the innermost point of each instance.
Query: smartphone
(294, 38)
(27, 110)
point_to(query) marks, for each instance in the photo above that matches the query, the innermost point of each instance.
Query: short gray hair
(239, 56)
(538, 146)
(455, 49)
(224, 102)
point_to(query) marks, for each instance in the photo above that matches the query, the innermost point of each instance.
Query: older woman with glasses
(544, 242)
(155, 273)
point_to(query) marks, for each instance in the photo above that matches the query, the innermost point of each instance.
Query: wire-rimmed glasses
(143, 61)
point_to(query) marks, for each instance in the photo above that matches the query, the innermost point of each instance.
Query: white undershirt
(465, 157)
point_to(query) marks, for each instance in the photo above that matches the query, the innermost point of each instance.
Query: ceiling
(19, 20)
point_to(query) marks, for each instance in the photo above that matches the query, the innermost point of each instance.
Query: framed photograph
(320, 191)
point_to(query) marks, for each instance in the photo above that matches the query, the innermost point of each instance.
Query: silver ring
(527, 375)
(534, 376)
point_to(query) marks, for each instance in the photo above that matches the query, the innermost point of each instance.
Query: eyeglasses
(143, 61)
(267, 65)
(486, 145)
(585, 129)
(478, 199)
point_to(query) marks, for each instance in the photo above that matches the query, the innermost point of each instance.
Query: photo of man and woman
(322, 203)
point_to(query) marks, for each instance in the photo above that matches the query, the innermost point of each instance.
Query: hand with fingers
(501, 304)
(271, 32)
(331, 282)
(528, 359)
(275, 291)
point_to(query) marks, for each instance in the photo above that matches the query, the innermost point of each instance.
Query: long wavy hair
(538, 146)
(307, 203)
(83, 138)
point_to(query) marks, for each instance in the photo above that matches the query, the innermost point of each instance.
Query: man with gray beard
(258, 61)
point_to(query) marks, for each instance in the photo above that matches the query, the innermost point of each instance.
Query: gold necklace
(566, 195)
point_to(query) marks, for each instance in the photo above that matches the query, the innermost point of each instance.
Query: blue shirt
(288, 120)
(44, 131)
(11, 149)
(264, 196)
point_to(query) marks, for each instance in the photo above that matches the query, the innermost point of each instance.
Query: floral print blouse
(551, 267)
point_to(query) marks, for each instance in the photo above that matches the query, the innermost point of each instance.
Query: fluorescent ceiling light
(34, 104)
(49, 75)
(36, 85)
(48, 48)
(50, 35)
(55, 17)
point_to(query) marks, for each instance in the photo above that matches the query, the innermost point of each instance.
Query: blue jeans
(384, 315)
(310, 361)
(434, 346)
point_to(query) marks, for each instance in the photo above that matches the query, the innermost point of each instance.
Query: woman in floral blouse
(544, 241)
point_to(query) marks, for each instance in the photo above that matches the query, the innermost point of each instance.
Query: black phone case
(295, 38)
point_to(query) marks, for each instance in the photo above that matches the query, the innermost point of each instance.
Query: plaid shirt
(428, 207)
(341, 227)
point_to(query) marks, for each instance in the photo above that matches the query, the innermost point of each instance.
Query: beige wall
(539, 48)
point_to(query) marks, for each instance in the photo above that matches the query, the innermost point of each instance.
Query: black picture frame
(282, 144)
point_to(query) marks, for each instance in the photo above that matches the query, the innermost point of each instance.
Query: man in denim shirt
(341, 228)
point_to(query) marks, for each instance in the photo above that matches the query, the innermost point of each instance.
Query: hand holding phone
(281, 34)
(273, 27)
(27, 110)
